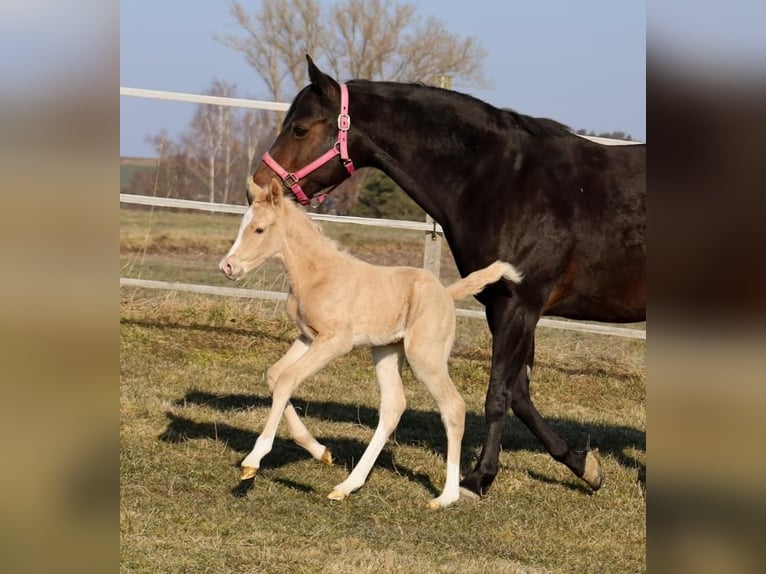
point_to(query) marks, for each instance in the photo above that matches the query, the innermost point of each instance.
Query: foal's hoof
(337, 495)
(248, 472)
(593, 475)
(327, 457)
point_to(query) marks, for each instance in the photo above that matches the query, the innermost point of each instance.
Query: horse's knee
(496, 407)
(271, 379)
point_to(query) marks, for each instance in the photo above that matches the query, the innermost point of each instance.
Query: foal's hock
(339, 302)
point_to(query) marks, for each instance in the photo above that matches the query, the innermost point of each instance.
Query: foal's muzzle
(230, 269)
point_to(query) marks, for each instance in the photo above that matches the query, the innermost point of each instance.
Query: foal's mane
(299, 215)
(540, 127)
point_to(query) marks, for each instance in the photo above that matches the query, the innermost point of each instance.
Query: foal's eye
(259, 230)
(300, 131)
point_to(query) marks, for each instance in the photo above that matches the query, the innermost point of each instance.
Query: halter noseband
(290, 179)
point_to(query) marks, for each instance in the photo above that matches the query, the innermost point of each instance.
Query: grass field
(193, 398)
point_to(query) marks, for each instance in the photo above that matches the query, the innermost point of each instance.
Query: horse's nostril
(225, 266)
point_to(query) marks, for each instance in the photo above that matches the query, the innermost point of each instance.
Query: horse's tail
(476, 281)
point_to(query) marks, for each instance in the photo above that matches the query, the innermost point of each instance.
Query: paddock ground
(193, 398)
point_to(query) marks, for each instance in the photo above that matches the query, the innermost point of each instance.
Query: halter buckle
(290, 180)
(344, 122)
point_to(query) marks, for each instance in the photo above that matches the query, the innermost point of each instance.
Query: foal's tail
(476, 281)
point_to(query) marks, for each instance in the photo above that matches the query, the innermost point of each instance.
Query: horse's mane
(540, 127)
(543, 127)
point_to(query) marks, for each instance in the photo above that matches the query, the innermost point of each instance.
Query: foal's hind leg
(427, 353)
(388, 369)
(298, 431)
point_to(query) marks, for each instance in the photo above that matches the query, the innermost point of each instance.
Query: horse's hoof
(593, 475)
(337, 495)
(466, 494)
(248, 472)
(327, 457)
(434, 505)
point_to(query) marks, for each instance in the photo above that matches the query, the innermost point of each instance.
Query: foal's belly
(377, 337)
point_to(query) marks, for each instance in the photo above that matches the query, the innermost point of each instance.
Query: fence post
(432, 249)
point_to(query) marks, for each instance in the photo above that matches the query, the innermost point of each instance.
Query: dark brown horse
(570, 214)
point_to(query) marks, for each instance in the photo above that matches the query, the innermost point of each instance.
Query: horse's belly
(585, 308)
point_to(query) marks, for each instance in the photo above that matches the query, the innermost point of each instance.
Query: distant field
(129, 166)
(193, 399)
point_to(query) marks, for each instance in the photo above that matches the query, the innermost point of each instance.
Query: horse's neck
(306, 253)
(405, 148)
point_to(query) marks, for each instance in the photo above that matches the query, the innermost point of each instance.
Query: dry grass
(193, 398)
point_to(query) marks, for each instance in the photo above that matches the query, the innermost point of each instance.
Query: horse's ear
(321, 81)
(275, 192)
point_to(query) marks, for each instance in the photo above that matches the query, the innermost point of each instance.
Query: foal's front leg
(298, 431)
(323, 349)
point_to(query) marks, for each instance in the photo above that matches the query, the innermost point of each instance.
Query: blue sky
(581, 63)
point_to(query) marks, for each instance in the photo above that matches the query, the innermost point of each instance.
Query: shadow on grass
(417, 427)
(346, 452)
(287, 337)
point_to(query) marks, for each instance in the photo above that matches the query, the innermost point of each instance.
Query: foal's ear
(321, 82)
(275, 192)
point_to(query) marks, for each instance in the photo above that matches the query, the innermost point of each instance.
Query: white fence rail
(431, 248)
(279, 296)
(240, 210)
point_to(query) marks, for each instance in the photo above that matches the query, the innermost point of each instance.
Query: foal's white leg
(430, 366)
(322, 350)
(298, 431)
(388, 368)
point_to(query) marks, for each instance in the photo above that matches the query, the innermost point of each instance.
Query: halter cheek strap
(291, 179)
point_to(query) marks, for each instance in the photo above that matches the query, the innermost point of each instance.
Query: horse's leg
(428, 358)
(582, 462)
(298, 431)
(388, 369)
(513, 329)
(323, 349)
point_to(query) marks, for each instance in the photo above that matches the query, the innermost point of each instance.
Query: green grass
(193, 398)
(131, 166)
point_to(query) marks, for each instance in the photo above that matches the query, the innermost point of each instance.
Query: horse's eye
(300, 131)
(259, 230)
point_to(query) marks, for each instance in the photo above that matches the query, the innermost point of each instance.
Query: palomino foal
(339, 302)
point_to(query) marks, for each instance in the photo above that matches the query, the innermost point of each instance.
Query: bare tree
(385, 40)
(372, 39)
(274, 40)
(209, 141)
(250, 131)
(170, 178)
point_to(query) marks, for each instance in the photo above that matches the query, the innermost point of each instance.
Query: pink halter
(340, 148)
